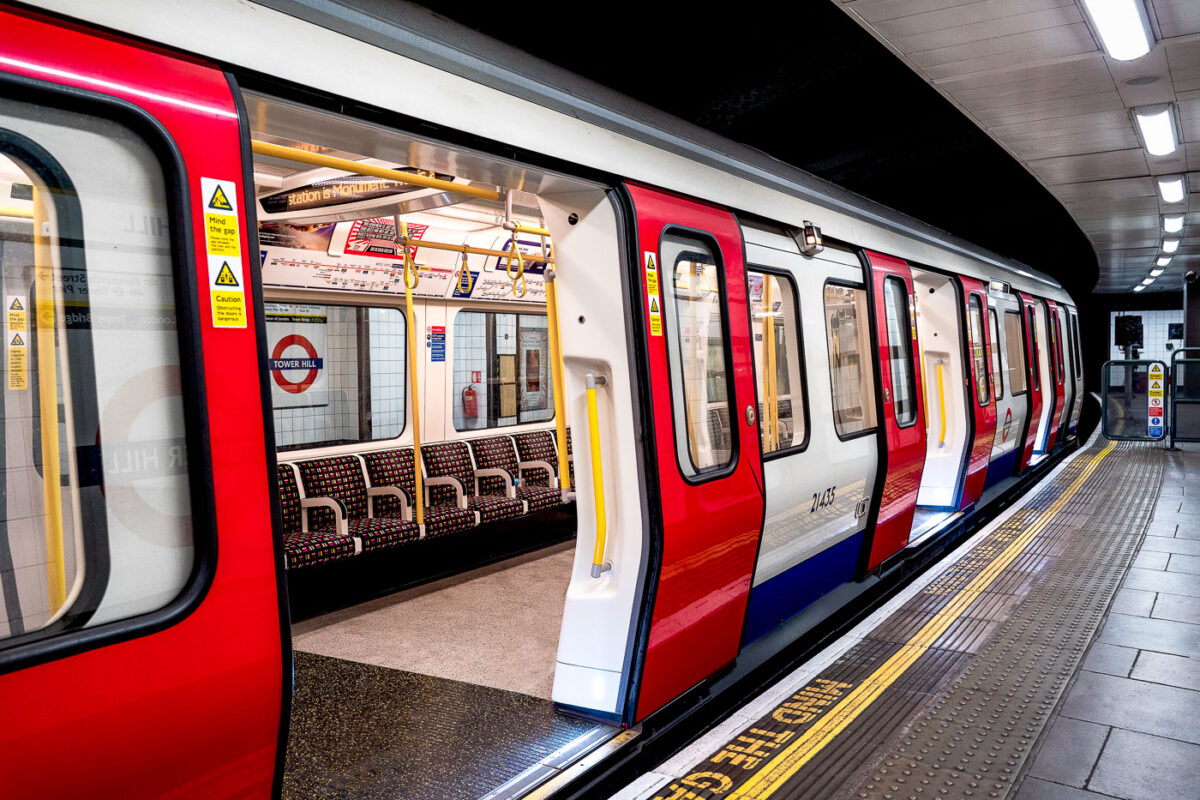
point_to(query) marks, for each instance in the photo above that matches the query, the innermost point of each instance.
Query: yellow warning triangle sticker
(1155, 385)
(219, 201)
(16, 305)
(653, 305)
(650, 261)
(17, 341)
(225, 277)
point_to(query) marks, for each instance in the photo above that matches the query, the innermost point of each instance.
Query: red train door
(1057, 372)
(892, 288)
(696, 325)
(1033, 375)
(982, 393)
(137, 658)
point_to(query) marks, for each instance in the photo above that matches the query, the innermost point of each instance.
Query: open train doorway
(432, 316)
(943, 375)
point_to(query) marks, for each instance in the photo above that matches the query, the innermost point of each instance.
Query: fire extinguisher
(469, 402)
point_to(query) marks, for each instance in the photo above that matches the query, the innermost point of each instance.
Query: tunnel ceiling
(806, 84)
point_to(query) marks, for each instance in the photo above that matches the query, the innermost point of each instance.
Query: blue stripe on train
(1001, 468)
(777, 599)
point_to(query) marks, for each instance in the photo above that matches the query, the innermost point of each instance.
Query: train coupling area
(1053, 656)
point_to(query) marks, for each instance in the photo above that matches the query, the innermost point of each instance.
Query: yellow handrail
(941, 406)
(410, 283)
(56, 571)
(519, 228)
(346, 165)
(12, 211)
(476, 251)
(598, 566)
(556, 378)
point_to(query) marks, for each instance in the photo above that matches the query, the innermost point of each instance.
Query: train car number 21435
(822, 499)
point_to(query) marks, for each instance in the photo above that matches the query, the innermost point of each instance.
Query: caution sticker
(654, 307)
(1154, 403)
(17, 320)
(227, 289)
(17, 312)
(223, 238)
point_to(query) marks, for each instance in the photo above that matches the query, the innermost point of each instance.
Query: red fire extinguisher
(469, 402)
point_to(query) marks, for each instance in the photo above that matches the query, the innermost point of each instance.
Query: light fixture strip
(1170, 245)
(1171, 189)
(1157, 127)
(1123, 27)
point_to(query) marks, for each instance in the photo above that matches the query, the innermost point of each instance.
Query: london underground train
(380, 364)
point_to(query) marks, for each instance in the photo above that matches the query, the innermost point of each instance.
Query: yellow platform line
(780, 769)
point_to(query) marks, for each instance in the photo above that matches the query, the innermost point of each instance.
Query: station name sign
(339, 191)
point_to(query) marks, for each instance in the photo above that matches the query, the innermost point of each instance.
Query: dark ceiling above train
(805, 84)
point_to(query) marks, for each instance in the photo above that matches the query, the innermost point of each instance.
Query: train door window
(1035, 365)
(338, 373)
(96, 508)
(1076, 353)
(993, 330)
(696, 353)
(899, 333)
(501, 370)
(851, 376)
(780, 383)
(978, 351)
(1014, 352)
(1056, 346)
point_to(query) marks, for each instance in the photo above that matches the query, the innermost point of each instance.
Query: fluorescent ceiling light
(1170, 245)
(1157, 125)
(1154, 273)
(1138, 288)
(1173, 224)
(1163, 261)
(1148, 281)
(1123, 27)
(1171, 189)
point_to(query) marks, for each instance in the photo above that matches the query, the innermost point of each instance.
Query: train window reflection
(1014, 352)
(849, 341)
(97, 524)
(695, 323)
(779, 382)
(501, 370)
(338, 373)
(899, 333)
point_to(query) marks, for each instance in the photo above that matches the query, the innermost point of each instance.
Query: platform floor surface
(1051, 657)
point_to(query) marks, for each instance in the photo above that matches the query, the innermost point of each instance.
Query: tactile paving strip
(947, 697)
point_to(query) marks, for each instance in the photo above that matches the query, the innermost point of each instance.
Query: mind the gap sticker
(222, 240)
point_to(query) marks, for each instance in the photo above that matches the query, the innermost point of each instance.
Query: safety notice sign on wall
(296, 350)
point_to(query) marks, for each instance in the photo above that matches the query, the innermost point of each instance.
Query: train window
(978, 351)
(850, 372)
(780, 384)
(1076, 355)
(1035, 364)
(993, 330)
(338, 373)
(1014, 352)
(696, 353)
(97, 525)
(501, 370)
(899, 333)
(1056, 345)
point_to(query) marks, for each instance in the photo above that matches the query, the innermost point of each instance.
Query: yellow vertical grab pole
(770, 385)
(941, 406)
(556, 378)
(598, 566)
(410, 283)
(56, 571)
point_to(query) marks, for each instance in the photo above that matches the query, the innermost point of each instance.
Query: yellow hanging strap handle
(465, 281)
(47, 361)
(410, 283)
(519, 276)
(598, 565)
(556, 377)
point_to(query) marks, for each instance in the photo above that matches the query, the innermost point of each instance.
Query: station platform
(1055, 655)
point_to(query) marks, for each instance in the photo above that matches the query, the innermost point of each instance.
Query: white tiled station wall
(470, 356)
(388, 358)
(1154, 333)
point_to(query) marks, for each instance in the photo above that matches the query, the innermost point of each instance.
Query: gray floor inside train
(438, 692)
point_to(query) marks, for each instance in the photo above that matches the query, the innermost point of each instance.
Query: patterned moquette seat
(341, 479)
(538, 447)
(499, 453)
(306, 548)
(450, 471)
(394, 468)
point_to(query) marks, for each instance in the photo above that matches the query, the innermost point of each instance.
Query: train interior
(452, 611)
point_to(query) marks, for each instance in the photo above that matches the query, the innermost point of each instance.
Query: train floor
(1055, 655)
(441, 691)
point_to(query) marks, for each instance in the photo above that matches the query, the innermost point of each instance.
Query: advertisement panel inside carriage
(384, 446)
